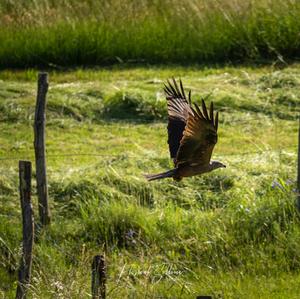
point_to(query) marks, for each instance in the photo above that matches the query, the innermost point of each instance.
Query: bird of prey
(192, 135)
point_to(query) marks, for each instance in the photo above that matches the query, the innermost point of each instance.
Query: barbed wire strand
(133, 156)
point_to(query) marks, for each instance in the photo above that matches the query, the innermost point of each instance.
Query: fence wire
(6, 158)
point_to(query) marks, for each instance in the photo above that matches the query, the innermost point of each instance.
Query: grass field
(57, 34)
(233, 233)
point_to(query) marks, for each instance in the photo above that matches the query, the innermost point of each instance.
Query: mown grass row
(68, 33)
(130, 104)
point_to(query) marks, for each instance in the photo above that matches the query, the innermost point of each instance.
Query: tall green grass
(68, 33)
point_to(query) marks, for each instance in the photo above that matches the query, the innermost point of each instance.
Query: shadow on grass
(129, 106)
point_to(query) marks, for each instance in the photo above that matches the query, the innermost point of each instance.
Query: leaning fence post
(39, 147)
(28, 229)
(98, 277)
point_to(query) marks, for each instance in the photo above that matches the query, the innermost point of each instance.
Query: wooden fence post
(98, 277)
(39, 147)
(298, 177)
(28, 229)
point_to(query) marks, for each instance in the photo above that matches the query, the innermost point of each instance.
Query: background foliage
(70, 32)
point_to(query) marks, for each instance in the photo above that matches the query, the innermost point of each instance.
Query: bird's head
(217, 164)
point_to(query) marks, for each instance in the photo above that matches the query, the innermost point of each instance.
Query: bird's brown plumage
(192, 134)
(199, 137)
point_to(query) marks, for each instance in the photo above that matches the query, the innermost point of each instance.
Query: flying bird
(192, 135)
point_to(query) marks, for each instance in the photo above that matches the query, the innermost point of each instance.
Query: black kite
(192, 135)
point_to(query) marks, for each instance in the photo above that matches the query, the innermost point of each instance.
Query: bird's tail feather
(167, 174)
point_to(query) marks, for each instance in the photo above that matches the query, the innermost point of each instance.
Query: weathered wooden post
(39, 147)
(98, 277)
(298, 177)
(28, 229)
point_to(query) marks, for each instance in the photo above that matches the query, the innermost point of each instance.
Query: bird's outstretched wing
(179, 110)
(199, 136)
